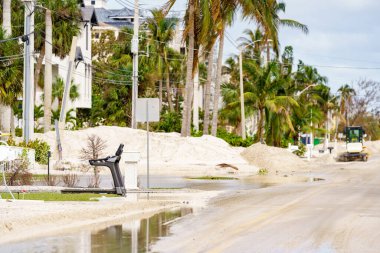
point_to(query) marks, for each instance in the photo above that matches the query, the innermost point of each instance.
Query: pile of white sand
(372, 146)
(165, 148)
(273, 159)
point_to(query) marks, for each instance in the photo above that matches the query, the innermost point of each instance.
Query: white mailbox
(130, 161)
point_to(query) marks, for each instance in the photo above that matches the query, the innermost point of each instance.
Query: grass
(213, 178)
(54, 196)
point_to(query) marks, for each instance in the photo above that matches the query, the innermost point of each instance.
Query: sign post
(147, 110)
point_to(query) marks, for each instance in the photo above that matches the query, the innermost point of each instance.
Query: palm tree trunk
(260, 124)
(48, 79)
(7, 27)
(168, 92)
(4, 109)
(196, 100)
(37, 71)
(160, 94)
(214, 126)
(189, 75)
(12, 123)
(206, 116)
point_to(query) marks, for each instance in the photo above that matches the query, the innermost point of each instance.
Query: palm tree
(252, 44)
(266, 85)
(65, 17)
(267, 16)
(223, 16)
(10, 72)
(162, 30)
(58, 89)
(346, 94)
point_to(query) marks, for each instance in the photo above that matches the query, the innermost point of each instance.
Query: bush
(301, 150)
(41, 148)
(233, 139)
(70, 180)
(170, 122)
(18, 132)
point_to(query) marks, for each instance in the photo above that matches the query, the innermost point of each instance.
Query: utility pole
(135, 51)
(28, 89)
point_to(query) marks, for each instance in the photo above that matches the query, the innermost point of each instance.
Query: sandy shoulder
(27, 219)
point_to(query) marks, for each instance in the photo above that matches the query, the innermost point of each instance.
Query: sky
(343, 42)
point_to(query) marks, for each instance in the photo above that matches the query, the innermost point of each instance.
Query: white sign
(148, 109)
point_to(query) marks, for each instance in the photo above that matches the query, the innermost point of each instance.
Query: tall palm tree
(12, 14)
(10, 72)
(223, 16)
(346, 95)
(267, 14)
(58, 89)
(162, 30)
(66, 20)
(252, 44)
(266, 86)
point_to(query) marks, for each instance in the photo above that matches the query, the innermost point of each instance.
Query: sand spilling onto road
(168, 151)
(273, 159)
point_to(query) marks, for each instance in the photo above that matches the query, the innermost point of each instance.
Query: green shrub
(18, 132)
(170, 122)
(301, 150)
(41, 148)
(233, 139)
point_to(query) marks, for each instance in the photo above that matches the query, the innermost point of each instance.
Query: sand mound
(165, 148)
(274, 159)
(372, 146)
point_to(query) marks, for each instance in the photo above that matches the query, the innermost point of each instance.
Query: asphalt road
(339, 214)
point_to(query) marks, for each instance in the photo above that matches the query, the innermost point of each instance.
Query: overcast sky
(343, 42)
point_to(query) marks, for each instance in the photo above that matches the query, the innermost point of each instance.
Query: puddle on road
(134, 236)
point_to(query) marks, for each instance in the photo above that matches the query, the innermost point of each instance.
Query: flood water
(135, 236)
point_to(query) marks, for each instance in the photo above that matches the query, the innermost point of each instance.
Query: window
(96, 36)
(92, 2)
(132, 20)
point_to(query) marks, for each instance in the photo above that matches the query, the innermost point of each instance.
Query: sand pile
(165, 148)
(274, 159)
(372, 146)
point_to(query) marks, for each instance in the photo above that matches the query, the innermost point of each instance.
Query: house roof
(115, 18)
(88, 14)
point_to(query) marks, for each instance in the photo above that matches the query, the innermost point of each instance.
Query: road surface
(339, 214)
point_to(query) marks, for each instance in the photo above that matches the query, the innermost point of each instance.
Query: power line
(16, 38)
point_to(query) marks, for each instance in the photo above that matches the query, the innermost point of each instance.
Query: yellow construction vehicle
(355, 144)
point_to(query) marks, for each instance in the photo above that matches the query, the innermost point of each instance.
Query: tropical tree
(267, 15)
(58, 90)
(65, 16)
(346, 95)
(272, 104)
(10, 61)
(162, 32)
(223, 16)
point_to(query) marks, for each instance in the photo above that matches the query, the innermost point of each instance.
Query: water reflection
(135, 236)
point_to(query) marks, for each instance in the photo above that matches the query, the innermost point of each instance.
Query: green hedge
(41, 148)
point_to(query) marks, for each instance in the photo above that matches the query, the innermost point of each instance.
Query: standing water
(134, 236)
